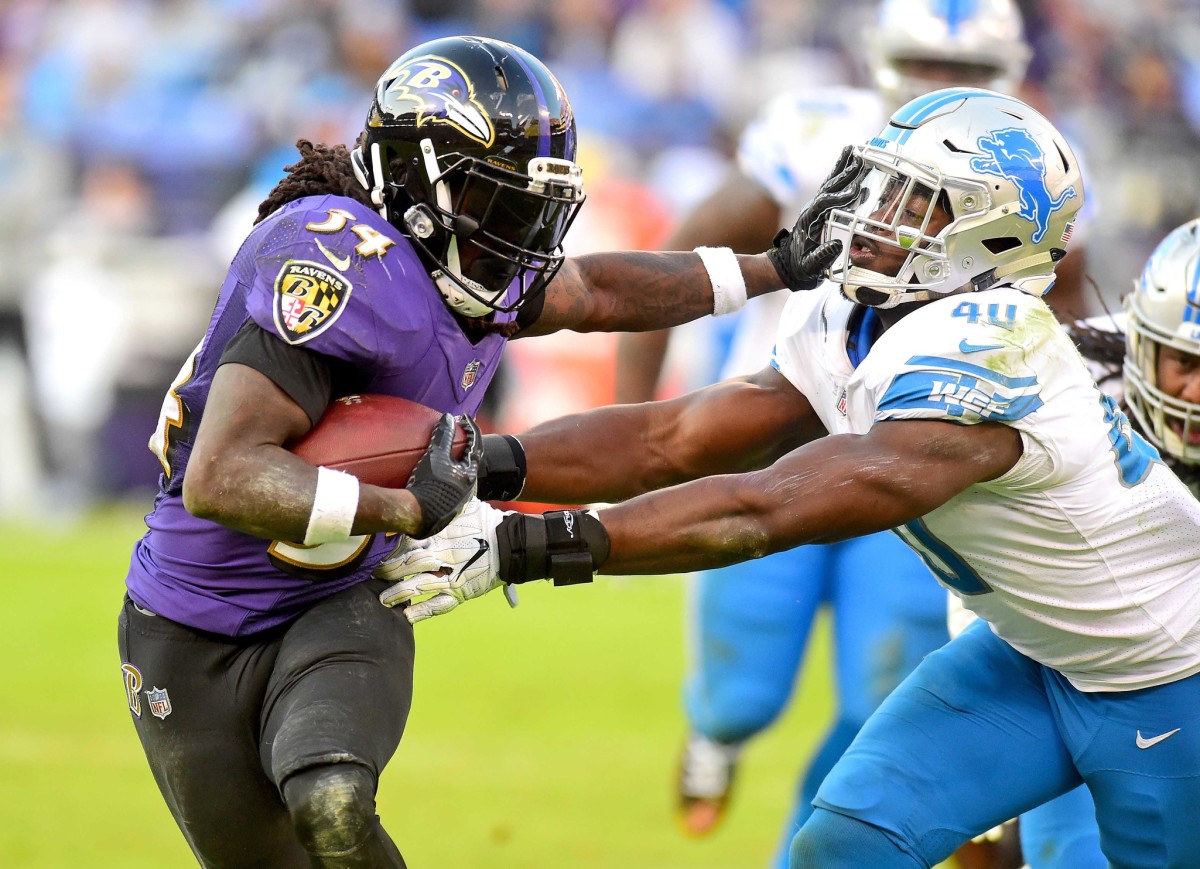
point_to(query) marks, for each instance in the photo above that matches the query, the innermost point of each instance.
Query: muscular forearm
(832, 489)
(723, 520)
(607, 454)
(675, 530)
(710, 522)
(738, 214)
(616, 452)
(269, 492)
(635, 291)
(240, 476)
(676, 287)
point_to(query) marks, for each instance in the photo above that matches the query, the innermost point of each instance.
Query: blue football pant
(750, 624)
(979, 734)
(1063, 834)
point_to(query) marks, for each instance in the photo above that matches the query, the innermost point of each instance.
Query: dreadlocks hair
(1103, 346)
(326, 169)
(321, 170)
(1106, 348)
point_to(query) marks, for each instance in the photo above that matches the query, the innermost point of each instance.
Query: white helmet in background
(1164, 310)
(963, 190)
(921, 45)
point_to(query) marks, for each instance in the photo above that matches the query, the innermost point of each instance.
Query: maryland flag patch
(308, 298)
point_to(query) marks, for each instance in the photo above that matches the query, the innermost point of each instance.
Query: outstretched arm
(634, 291)
(615, 452)
(833, 489)
(631, 291)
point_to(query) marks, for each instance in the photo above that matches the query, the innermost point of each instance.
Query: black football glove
(502, 468)
(440, 483)
(799, 256)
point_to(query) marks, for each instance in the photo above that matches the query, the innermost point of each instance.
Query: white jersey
(1085, 556)
(789, 149)
(1108, 378)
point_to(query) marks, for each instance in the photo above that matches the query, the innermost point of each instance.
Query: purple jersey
(332, 276)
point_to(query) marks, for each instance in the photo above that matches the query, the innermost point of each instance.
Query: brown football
(377, 438)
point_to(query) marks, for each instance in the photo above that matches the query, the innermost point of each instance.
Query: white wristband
(333, 509)
(725, 275)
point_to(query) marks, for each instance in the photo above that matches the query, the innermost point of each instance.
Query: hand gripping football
(377, 438)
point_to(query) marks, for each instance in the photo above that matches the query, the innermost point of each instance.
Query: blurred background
(137, 138)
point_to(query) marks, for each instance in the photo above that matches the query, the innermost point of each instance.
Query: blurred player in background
(1161, 369)
(748, 645)
(267, 685)
(925, 387)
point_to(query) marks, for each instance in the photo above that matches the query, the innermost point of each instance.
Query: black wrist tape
(566, 546)
(502, 469)
(776, 256)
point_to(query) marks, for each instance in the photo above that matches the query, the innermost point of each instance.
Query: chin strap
(374, 188)
(1038, 259)
(567, 546)
(452, 291)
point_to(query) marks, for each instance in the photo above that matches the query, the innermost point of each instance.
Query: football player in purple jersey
(267, 685)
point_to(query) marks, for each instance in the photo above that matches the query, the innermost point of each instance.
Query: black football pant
(268, 749)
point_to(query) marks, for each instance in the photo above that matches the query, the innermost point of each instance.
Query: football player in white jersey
(1161, 368)
(926, 388)
(745, 650)
(1152, 369)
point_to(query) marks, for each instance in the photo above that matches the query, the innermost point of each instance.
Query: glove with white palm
(459, 563)
(483, 548)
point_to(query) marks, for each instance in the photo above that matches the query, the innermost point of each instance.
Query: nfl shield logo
(841, 403)
(160, 702)
(470, 373)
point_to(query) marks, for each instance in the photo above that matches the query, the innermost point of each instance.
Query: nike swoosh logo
(482, 551)
(965, 346)
(339, 263)
(1142, 742)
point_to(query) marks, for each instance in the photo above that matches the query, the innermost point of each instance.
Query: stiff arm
(835, 488)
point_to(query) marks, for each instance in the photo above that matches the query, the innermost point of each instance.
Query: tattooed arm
(634, 291)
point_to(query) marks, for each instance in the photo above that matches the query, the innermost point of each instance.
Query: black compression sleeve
(502, 469)
(310, 379)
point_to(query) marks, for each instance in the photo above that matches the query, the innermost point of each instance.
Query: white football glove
(458, 563)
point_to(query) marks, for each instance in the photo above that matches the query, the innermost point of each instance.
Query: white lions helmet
(963, 190)
(1164, 310)
(921, 45)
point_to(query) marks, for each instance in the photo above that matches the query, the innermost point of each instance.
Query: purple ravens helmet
(469, 149)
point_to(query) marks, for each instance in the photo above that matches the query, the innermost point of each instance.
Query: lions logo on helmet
(1015, 155)
(977, 189)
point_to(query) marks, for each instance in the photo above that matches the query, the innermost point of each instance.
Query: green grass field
(541, 737)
